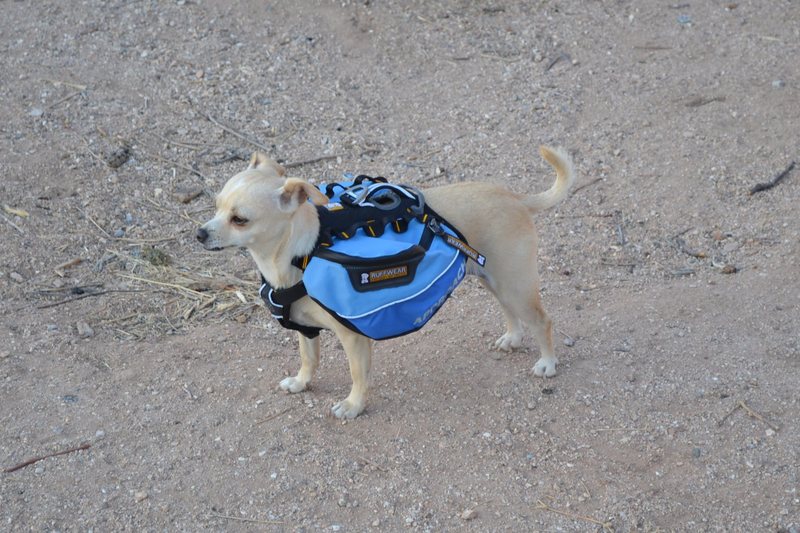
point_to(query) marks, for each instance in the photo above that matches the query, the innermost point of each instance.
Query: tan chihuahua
(269, 214)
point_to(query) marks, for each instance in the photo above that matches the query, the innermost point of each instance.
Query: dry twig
(10, 223)
(82, 296)
(273, 417)
(773, 182)
(250, 520)
(84, 446)
(605, 525)
(310, 161)
(576, 189)
(233, 131)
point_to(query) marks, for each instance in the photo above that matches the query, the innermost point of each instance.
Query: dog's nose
(202, 235)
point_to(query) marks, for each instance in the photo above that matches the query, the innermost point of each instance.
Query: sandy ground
(675, 408)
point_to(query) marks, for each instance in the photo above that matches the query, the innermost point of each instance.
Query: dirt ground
(674, 292)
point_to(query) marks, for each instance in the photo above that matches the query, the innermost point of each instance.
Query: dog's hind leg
(512, 338)
(527, 309)
(522, 304)
(542, 327)
(359, 355)
(309, 361)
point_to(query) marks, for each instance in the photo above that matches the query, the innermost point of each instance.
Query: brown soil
(675, 409)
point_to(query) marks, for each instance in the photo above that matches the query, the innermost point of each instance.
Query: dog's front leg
(359, 355)
(309, 360)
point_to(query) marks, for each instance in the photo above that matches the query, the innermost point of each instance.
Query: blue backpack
(384, 262)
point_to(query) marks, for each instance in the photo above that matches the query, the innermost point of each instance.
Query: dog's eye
(238, 221)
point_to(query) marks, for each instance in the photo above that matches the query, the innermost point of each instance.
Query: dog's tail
(560, 160)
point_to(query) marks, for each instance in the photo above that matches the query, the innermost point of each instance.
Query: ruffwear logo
(384, 274)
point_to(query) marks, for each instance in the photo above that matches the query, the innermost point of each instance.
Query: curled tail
(560, 160)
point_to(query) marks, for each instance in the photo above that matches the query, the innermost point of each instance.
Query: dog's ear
(296, 191)
(261, 162)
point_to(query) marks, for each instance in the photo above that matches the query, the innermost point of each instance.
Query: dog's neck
(298, 240)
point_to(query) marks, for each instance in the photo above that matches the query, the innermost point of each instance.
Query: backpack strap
(279, 302)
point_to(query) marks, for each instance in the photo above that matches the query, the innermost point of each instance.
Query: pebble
(696, 452)
(186, 194)
(84, 330)
(770, 432)
(469, 514)
(16, 276)
(140, 495)
(4, 355)
(118, 157)
(376, 523)
(37, 112)
(730, 247)
(52, 327)
(336, 527)
(569, 341)
(778, 84)
(118, 234)
(99, 434)
(39, 470)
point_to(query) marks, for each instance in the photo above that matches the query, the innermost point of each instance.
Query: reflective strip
(445, 271)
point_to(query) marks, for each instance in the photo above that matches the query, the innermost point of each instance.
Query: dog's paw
(293, 384)
(346, 409)
(508, 342)
(545, 367)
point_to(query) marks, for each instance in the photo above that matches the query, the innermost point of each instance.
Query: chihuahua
(275, 218)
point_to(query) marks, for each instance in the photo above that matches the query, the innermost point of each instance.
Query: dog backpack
(384, 262)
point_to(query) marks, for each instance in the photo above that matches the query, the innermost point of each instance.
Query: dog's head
(256, 207)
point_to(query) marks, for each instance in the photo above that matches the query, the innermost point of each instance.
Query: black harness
(389, 205)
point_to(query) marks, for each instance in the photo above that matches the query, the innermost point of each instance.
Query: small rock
(120, 233)
(729, 269)
(84, 330)
(730, 247)
(376, 523)
(336, 527)
(99, 434)
(778, 84)
(140, 496)
(70, 398)
(118, 157)
(37, 112)
(531, 405)
(770, 432)
(717, 235)
(155, 257)
(4, 355)
(39, 470)
(186, 194)
(200, 74)
(696, 452)
(569, 341)
(16, 276)
(469, 514)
